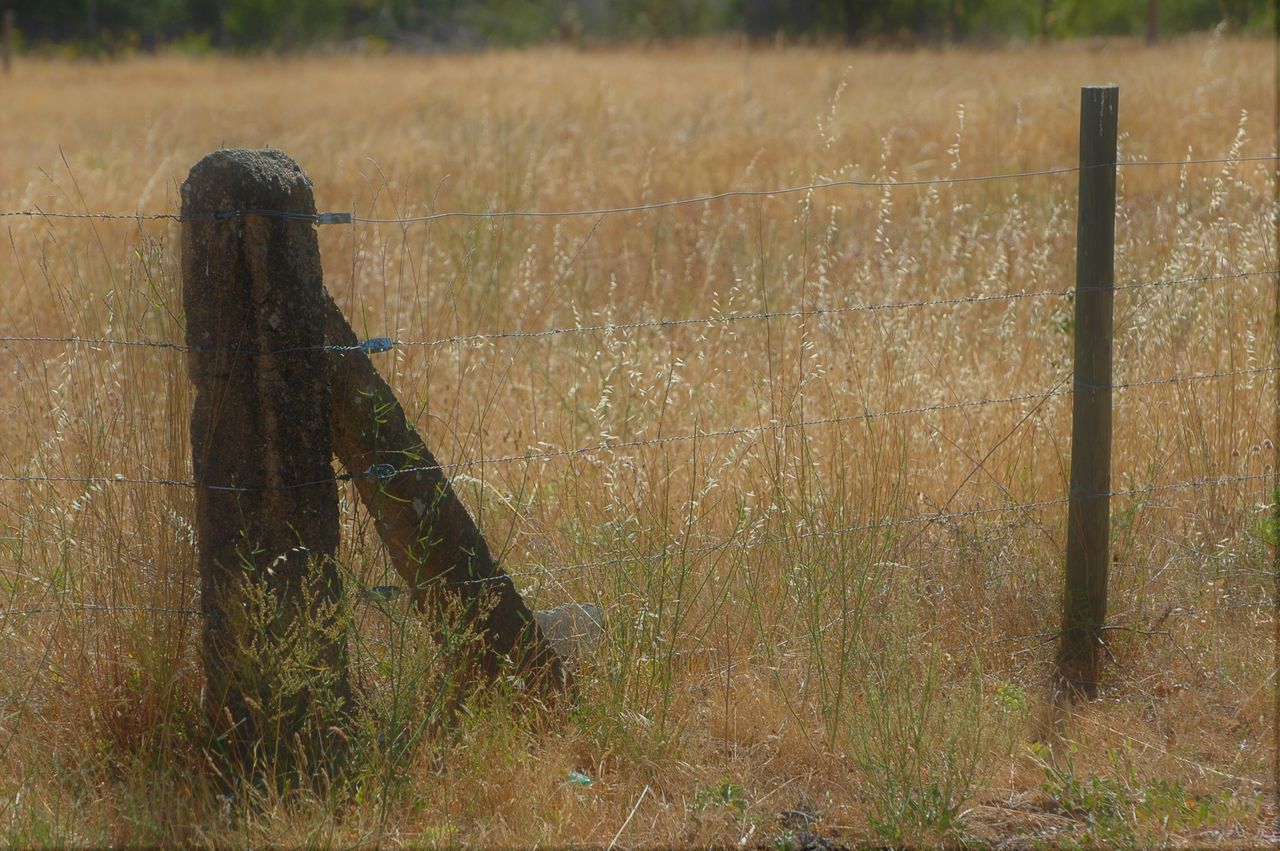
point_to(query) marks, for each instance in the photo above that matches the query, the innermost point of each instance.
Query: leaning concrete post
(434, 544)
(266, 500)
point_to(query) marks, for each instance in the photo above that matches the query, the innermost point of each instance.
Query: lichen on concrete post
(273, 647)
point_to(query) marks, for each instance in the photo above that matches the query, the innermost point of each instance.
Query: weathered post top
(222, 197)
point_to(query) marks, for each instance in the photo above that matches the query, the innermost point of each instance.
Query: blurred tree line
(289, 24)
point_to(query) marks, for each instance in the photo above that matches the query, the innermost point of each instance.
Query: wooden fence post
(1084, 602)
(266, 501)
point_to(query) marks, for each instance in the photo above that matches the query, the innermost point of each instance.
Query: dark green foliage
(282, 23)
(289, 24)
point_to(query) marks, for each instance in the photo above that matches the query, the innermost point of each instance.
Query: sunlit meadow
(791, 652)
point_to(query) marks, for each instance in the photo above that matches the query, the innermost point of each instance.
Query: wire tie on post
(373, 345)
(380, 472)
(333, 218)
(1089, 493)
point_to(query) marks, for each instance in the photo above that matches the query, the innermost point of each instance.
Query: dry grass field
(790, 655)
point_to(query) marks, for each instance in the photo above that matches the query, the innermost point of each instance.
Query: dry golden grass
(889, 683)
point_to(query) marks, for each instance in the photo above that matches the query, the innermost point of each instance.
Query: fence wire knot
(380, 472)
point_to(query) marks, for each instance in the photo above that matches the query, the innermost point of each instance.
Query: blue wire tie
(374, 345)
(333, 218)
(380, 472)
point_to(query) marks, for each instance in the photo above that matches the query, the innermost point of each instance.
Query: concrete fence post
(273, 647)
(433, 542)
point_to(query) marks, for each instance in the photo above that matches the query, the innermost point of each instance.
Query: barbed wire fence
(375, 345)
(349, 218)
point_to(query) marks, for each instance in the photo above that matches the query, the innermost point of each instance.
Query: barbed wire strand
(790, 190)
(683, 550)
(819, 312)
(539, 456)
(1212, 161)
(344, 218)
(111, 609)
(383, 472)
(933, 517)
(97, 607)
(387, 343)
